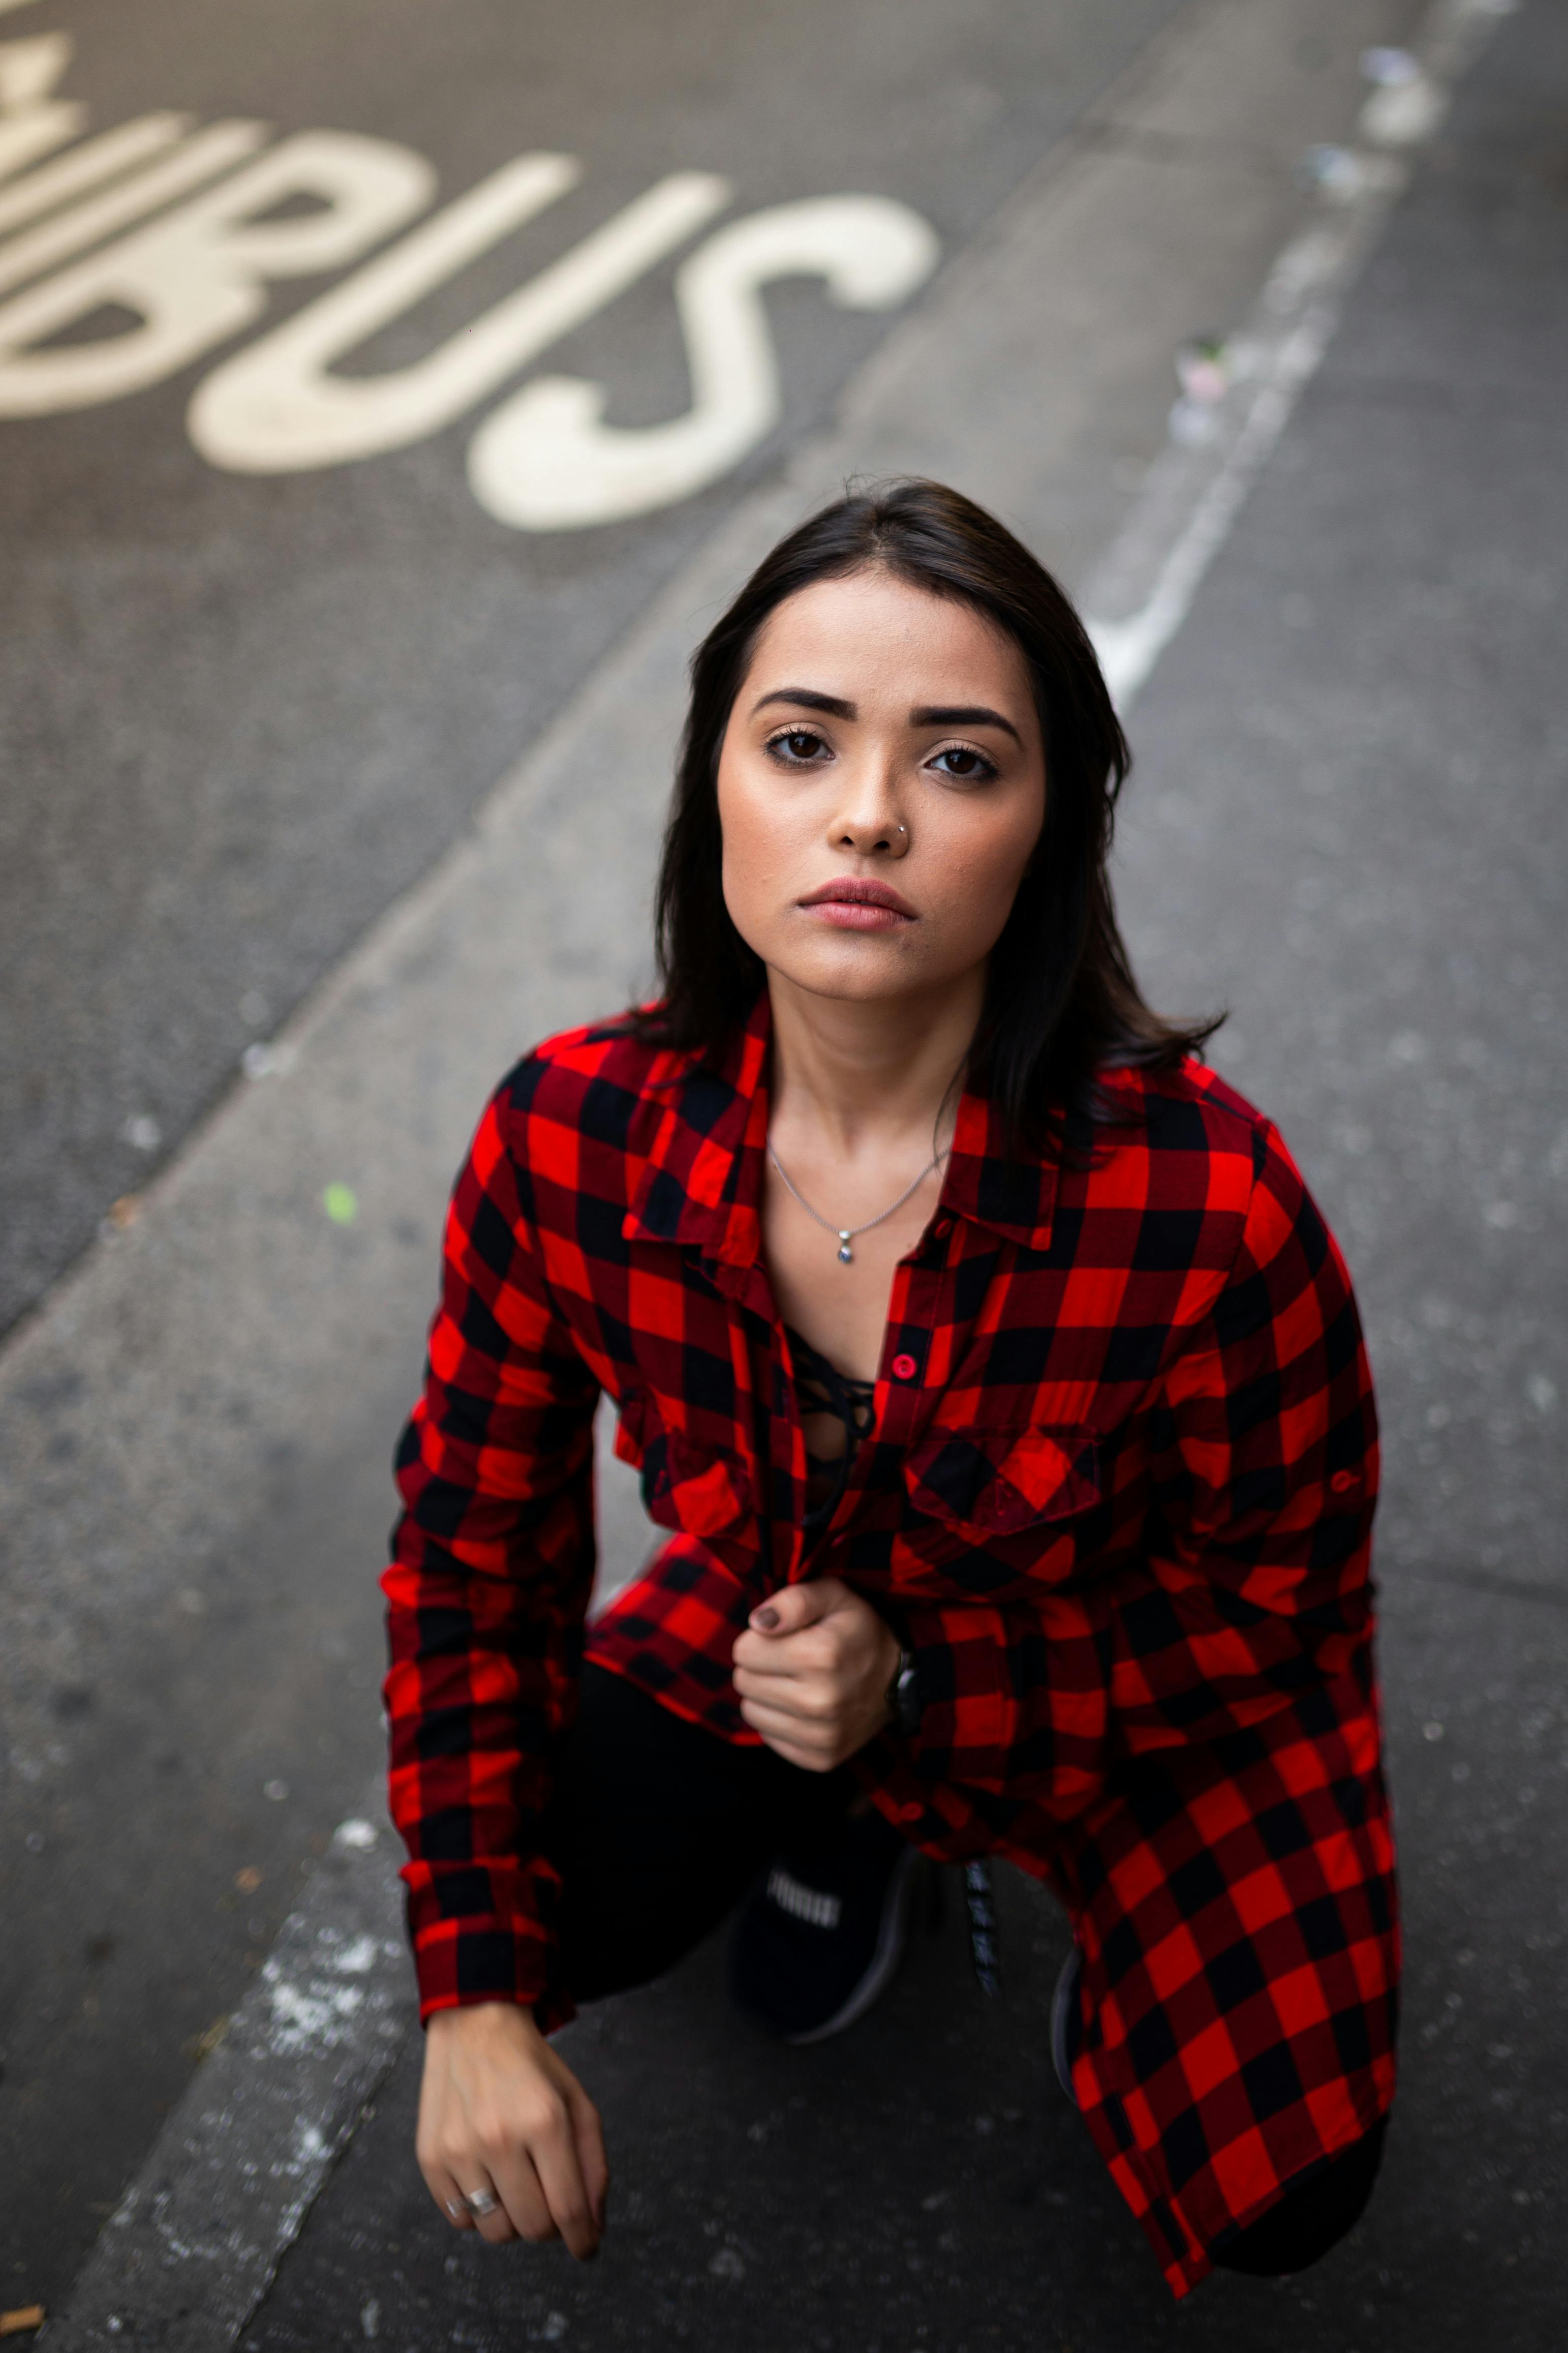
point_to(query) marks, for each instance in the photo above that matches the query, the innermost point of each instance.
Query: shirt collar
(702, 1182)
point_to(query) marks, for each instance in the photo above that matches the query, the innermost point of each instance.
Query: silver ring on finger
(456, 2208)
(481, 2202)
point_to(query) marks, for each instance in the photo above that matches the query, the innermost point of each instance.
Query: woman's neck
(865, 1073)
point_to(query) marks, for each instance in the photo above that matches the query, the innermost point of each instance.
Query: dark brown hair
(1060, 999)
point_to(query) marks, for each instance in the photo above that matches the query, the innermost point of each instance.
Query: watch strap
(904, 1694)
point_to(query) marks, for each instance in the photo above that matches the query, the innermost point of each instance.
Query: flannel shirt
(1116, 1499)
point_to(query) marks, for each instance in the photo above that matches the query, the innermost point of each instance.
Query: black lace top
(835, 1415)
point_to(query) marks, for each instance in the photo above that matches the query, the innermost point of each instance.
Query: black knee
(1298, 2230)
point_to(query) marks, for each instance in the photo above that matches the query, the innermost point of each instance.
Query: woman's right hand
(499, 2112)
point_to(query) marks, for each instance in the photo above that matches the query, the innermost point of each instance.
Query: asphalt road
(245, 711)
(240, 713)
(1348, 824)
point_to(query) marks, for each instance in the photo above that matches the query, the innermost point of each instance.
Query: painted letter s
(545, 460)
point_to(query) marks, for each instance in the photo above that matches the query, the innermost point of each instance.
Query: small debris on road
(25, 2317)
(340, 1203)
(1206, 371)
(1334, 169)
(202, 2046)
(265, 1061)
(1389, 69)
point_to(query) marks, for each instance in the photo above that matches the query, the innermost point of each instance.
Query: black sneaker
(1067, 2023)
(823, 1930)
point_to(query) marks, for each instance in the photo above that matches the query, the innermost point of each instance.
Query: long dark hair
(1061, 1002)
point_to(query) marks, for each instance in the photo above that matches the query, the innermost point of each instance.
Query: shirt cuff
(472, 1945)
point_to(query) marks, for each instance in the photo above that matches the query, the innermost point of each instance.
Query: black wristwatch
(904, 1695)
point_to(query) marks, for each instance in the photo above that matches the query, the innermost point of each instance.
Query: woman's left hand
(813, 1672)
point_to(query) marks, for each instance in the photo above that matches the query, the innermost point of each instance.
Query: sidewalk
(1348, 823)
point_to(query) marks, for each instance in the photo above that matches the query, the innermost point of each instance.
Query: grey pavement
(1348, 825)
(195, 1421)
(1345, 824)
(240, 714)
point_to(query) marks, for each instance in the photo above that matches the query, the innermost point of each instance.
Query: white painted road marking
(1144, 588)
(75, 379)
(546, 460)
(98, 159)
(275, 409)
(199, 276)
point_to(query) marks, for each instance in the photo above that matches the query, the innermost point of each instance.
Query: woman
(1003, 1394)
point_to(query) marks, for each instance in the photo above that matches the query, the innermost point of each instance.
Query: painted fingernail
(764, 1619)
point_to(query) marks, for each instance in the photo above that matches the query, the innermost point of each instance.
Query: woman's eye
(964, 764)
(796, 744)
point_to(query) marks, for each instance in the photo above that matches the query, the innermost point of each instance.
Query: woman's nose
(872, 825)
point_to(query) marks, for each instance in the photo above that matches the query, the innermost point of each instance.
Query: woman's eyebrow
(964, 714)
(806, 698)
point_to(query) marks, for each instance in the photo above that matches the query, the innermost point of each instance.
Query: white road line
(1141, 593)
(188, 2252)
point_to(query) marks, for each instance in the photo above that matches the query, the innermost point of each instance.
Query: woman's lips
(853, 906)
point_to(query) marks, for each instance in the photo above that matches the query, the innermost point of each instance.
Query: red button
(911, 1813)
(1342, 1482)
(943, 1228)
(904, 1369)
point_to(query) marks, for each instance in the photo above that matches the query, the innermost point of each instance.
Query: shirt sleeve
(1253, 1588)
(488, 1587)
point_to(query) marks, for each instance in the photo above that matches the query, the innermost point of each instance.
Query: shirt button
(911, 1813)
(904, 1369)
(942, 1229)
(1342, 1482)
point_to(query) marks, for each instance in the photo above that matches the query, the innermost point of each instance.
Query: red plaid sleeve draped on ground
(1117, 1499)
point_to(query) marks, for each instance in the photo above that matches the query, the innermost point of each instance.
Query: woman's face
(881, 786)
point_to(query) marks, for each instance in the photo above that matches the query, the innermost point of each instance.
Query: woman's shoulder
(594, 1079)
(1190, 1127)
(1189, 1096)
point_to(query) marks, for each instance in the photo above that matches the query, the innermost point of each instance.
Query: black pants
(660, 1828)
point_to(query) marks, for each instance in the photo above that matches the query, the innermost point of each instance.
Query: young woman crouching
(1003, 1394)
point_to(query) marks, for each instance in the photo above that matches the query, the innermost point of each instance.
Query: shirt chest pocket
(701, 1491)
(985, 1484)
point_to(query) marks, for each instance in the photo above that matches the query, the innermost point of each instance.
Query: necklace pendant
(845, 1252)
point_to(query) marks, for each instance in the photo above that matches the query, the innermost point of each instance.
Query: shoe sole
(1062, 2004)
(893, 1935)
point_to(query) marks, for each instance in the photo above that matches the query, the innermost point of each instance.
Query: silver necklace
(846, 1233)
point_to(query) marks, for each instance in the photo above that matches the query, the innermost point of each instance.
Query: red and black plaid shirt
(1117, 1499)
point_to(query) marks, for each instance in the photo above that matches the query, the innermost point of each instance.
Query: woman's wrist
(476, 2024)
